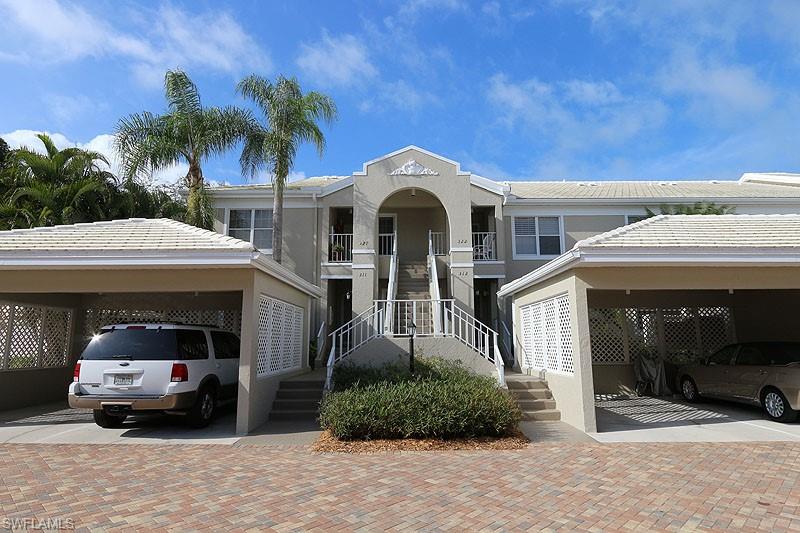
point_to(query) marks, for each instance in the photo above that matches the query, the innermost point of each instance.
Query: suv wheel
(689, 390)
(105, 420)
(203, 410)
(776, 406)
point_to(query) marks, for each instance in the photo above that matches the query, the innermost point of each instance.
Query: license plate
(123, 379)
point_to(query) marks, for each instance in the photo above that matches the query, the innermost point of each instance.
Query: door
(749, 372)
(711, 377)
(387, 229)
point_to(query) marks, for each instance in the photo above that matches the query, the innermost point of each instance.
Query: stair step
(522, 395)
(536, 405)
(299, 394)
(302, 384)
(526, 384)
(295, 405)
(543, 415)
(308, 414)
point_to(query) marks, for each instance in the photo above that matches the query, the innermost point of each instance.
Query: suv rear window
(147, 345)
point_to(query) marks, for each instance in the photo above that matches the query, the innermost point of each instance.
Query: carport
(61, 284)
(673, 287)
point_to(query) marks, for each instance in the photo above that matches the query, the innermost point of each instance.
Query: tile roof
(716, 240)
(701, 232)
(134, 234)
(312, 182)
(650, 189)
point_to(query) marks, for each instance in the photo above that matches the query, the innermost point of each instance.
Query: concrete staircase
(297, 399)
(533, 397)
(412, 281)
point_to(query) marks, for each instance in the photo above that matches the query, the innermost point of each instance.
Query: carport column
(249, 355)
(583, 350)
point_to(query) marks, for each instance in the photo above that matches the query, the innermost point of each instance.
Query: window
(537, 236)
(192, 344)
(724, 356)
(252, 225)
(226, 345)
(630, 219)
(751, 355)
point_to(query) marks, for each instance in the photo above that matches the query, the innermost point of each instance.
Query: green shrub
(441, 400)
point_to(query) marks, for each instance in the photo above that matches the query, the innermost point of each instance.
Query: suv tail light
(76, 374)
(180, 372)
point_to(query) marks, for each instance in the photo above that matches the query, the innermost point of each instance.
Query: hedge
(441, 400)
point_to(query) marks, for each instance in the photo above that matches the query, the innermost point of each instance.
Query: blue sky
(514, 90)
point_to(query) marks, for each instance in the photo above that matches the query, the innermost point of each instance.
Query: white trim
(537, 256)
(469, 249)
(462, 265)
(489, 276)
(367, 266)
(336, 276)
(363, 171)
(478, 262)
(336, 186)
(499, 188)
(548, 270)
(363, 251)
(649, 200)
(327, 264)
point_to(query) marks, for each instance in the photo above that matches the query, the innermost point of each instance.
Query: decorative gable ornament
(412, 168)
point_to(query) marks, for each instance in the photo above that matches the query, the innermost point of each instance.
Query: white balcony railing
(438, 242)
(341, 248)
(484, 246)
(385, 243)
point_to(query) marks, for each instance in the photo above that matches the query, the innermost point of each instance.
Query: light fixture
(413, 192)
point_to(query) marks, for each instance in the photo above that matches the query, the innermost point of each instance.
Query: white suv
(174, 368)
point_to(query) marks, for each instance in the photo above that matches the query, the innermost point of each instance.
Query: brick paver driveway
(575, 486)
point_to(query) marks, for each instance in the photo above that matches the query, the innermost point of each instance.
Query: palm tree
(56, 187)
(698, 208)
(291, 119)
(188, 133)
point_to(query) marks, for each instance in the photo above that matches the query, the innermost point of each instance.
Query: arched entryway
(418, 220)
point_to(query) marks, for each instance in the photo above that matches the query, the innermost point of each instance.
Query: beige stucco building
(339, 231)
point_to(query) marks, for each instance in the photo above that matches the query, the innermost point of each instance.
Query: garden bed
(442, 406)
(327, 443)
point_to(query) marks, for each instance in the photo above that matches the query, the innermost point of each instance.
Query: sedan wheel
(689, 390)
(776, 407)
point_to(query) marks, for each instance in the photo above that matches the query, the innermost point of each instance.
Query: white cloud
(337, 61)
(103, 143)
(545, 108)
(411, 8)
(397, 95)
(53, 31)
(726, 90)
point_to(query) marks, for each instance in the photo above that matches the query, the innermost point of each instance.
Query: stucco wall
(256, 394)
(380, 352)
(574, 394)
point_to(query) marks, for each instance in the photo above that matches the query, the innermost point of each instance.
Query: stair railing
(456, 323)
(391, 292)
(433, 285)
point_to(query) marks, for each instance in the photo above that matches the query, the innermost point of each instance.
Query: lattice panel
(607, 335)
(677, 334)
(716, 328)
(229, 320)
(25, 331)
(56, 323)
(681, 341)
(34, 336)
(280, 336)
(565, 335)
(547, 335)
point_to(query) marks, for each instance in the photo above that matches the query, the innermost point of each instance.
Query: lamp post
(411, 347)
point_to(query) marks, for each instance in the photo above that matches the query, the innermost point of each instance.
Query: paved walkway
(571, 486)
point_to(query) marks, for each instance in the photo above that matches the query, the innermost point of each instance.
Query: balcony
(484, 246)
(340, 248)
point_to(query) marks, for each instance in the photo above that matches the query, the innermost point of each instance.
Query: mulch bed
(328, 443)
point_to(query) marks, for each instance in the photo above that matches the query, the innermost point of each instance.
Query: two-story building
(341, 232)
